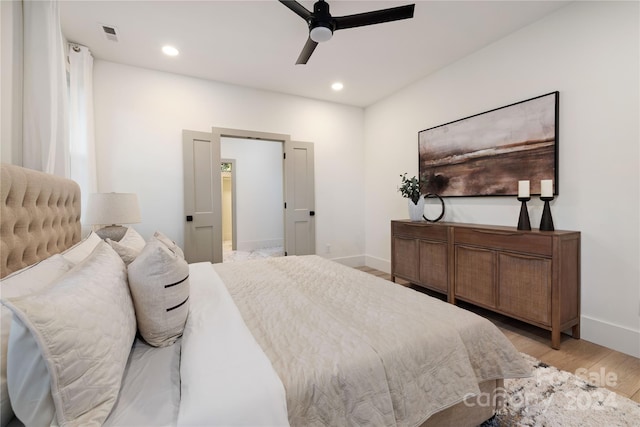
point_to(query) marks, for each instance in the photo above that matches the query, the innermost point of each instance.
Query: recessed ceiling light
(337, 86)
(170, 50)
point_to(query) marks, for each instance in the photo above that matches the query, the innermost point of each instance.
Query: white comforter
(353, 349)
(226, 379)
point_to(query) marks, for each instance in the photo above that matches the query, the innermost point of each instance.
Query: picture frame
(488, 153)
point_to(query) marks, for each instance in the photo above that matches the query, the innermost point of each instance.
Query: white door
(300, 232)
(202, 198)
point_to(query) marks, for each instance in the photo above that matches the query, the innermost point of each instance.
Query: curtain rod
(76, 46)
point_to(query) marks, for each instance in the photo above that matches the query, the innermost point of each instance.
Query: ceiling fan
(322, 24)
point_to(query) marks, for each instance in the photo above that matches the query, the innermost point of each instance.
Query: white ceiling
(256, 43)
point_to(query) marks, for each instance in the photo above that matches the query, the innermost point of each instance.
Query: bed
(283, 341)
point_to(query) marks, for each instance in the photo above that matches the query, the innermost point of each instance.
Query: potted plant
(410, 189)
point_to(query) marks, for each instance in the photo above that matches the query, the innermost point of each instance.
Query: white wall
(259, 192)
(589, 51)
(139, 118)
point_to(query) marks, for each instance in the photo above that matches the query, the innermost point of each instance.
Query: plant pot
(416, 210)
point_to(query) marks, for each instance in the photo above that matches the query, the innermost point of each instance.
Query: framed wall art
(488, 153)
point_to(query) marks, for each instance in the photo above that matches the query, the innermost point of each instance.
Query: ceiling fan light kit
(322, 24)
(320, 34)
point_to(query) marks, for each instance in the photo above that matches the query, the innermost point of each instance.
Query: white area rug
(554, 398)
(232, 256)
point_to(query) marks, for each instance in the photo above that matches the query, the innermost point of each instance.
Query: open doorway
(202, 195)
(252, 198)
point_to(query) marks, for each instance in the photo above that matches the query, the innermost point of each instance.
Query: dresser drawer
(420, 231)
(519, 241)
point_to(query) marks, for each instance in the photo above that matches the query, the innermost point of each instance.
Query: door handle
(312, 213)
(189, 218)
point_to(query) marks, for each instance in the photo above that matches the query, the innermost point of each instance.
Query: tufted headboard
(39, 216)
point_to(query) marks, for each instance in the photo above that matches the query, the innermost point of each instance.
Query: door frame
(234, 229)
(218, 133)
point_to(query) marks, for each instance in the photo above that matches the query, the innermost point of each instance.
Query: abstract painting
(488, 153)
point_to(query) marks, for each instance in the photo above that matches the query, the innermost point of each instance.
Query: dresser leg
(555, 338)
(575, 331)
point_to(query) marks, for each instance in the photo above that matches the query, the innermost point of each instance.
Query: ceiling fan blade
(299, 9)
(374, 17)
(307, 50)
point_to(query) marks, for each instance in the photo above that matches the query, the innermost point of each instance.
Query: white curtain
(82, 158)
(45, 124)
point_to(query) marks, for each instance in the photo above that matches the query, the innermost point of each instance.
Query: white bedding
(209, 377)
(226, 377)
(353, 349)
(215, 375)
(150, 392)
(219, 374)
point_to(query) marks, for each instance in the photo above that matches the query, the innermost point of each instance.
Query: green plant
(410, 188)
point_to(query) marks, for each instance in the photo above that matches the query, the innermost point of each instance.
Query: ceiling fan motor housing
(321, 21)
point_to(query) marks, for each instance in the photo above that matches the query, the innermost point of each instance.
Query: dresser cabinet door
(475, 275)
(433, 265)
(524, 287)
(406, 258)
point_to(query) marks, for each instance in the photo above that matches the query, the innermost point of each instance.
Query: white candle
(523, 189)
(546, 188)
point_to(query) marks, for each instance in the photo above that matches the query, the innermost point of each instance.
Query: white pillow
(159, 283)
(30, 387)
(83, 325)
(129, 247)
(169, 243)
(23, 282)
(132, 239)
(80, 251)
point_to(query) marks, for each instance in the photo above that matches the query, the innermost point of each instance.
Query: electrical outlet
(328, 248)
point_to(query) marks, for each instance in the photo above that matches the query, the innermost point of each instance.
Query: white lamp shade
(113, 208)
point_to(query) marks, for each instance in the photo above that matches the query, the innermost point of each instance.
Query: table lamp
(112, 210)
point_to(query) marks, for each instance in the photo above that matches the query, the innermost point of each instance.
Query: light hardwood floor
(616, 371)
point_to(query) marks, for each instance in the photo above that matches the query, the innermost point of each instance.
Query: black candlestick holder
(523, 221)
(546, 223)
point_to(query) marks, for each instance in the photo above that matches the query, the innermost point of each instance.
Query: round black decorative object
(431, 196)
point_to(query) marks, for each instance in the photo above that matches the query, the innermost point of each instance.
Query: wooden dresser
(533, 276)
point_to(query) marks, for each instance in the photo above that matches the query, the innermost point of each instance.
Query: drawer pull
(502, 233)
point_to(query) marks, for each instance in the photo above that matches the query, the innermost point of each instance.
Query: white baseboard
(616, 337)
(378, 263)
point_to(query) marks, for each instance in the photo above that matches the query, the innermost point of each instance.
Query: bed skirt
(472, 412)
